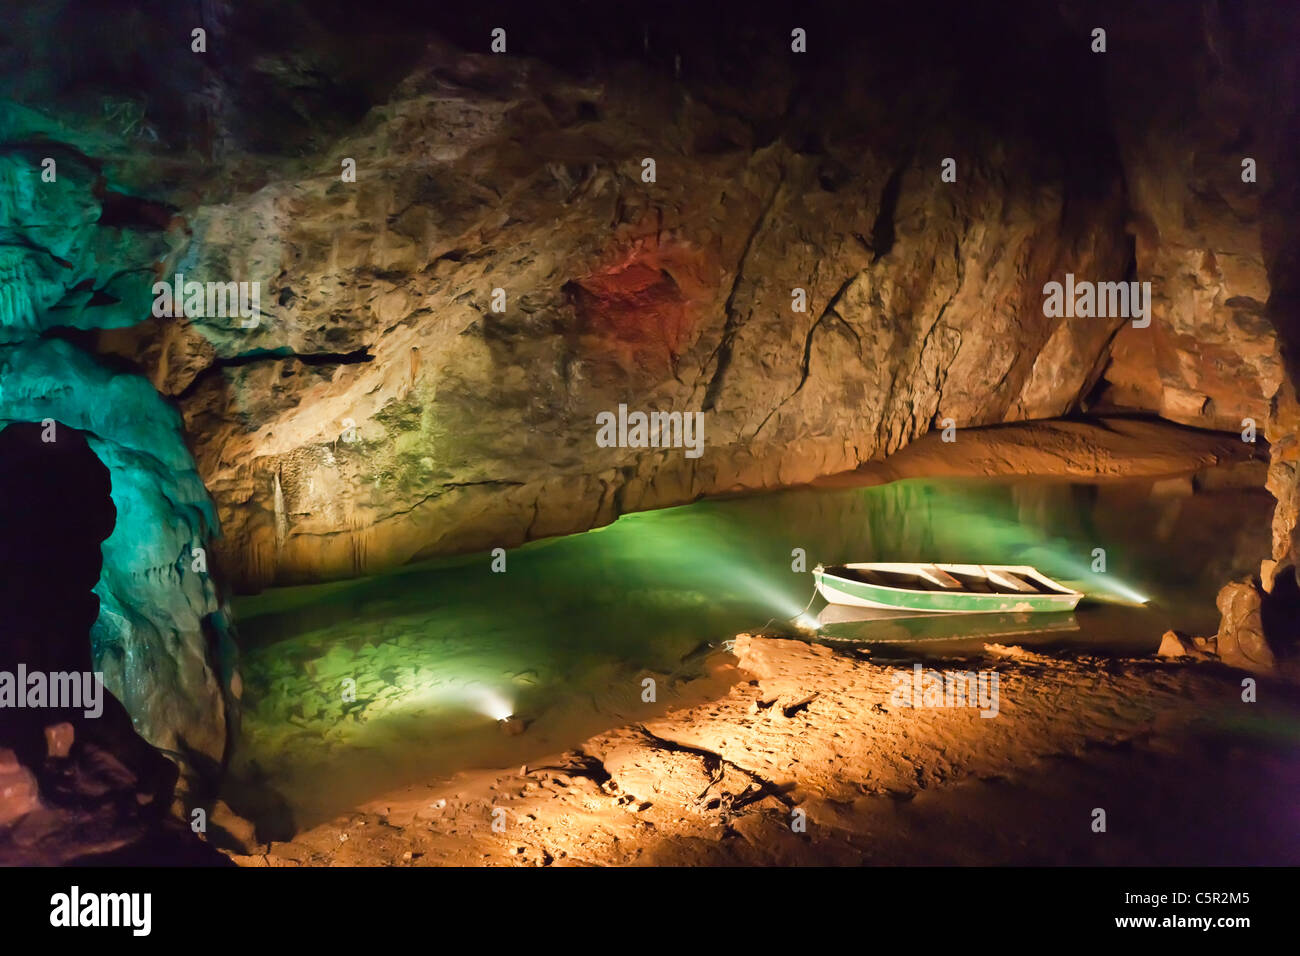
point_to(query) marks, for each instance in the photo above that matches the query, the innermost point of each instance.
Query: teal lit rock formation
(161, 637)
(78, 253)
(65, 260)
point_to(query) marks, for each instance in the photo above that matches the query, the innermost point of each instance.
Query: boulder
(1241, 641)
(1173, 644)
(19, 794)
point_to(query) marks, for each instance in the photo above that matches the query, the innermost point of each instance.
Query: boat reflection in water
(838, 622)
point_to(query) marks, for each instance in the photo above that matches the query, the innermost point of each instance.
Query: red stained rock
(58, 739)
(640, 307)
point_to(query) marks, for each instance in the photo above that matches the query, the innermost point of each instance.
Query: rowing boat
(944, 588)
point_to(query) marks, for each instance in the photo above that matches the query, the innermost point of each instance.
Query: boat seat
(1011, 581)
(893, 579)
(942, 577)
(976, 584)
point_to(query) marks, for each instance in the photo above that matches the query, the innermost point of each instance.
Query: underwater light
(1107, 590)
(512, 726)
(788, 608)
(1121, 594)
(1124, 591)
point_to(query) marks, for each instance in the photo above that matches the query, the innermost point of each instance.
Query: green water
(567, 634)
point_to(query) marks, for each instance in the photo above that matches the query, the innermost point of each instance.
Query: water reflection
(875, 626)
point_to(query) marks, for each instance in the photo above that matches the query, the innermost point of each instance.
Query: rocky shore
(816, 756)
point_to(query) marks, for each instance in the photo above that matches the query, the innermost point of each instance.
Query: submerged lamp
(512, 726)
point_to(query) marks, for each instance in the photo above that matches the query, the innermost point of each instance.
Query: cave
(774, 437)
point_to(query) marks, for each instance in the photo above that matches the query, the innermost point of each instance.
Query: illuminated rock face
(385, 412)
(810, 283)
(75, 776)
(476, 429)
(59, 264)
(1211, 172)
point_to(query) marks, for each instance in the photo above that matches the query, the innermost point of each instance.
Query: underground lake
(355, 687)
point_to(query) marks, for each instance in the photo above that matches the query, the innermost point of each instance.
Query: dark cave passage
(87, 762)
(55, 511)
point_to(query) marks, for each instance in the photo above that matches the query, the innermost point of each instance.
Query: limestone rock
(382, 410)
(158, 615)
(229, 831)
(1241, 641)
(1211, 355)
(59, 738)
(18, 791)
(1283, 433)
(1173, 644)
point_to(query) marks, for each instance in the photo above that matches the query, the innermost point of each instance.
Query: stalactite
(281, 521)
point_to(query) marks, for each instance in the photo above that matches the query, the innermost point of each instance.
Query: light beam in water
(782, 602)
(489, 702)
(1058, 558)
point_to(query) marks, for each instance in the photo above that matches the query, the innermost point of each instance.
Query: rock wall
(1189, 112)
(161, 636)
(76, 779)
(1220, 94)
(383, 412)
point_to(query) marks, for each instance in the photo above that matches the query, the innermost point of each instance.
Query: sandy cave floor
(1186, 771)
